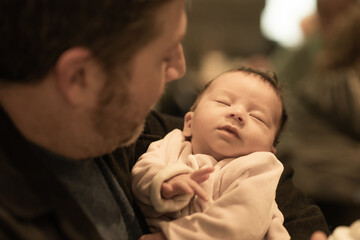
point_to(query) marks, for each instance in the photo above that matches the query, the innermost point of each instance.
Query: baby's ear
(187, 124)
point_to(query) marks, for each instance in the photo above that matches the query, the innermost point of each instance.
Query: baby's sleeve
(160, 163)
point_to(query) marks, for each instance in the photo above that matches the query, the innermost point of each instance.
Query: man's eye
(223, 102)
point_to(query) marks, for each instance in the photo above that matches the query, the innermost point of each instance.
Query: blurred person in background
(322, 140)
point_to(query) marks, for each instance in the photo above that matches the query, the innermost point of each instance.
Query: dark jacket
(34, 205)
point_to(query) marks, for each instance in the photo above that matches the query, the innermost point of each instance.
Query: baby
(217, 178)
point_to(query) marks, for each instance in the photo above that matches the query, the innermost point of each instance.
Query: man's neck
(44, 118)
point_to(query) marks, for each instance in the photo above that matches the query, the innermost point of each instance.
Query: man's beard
(118, 122)
(135, 135)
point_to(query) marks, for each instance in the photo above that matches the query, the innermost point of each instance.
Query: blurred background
(223, 34)
(314, 47)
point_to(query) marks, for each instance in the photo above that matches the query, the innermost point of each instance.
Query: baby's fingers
(153, 236)
(318, 236)
(175, 188)
(201, 175)
(198, 190)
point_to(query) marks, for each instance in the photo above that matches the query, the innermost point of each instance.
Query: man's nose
(177, 65)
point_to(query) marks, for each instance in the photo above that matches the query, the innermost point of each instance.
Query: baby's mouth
(230, 129)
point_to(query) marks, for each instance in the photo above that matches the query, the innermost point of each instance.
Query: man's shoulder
(159, 124)
(20, 207)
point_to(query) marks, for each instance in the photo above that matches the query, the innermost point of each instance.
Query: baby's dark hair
(267, 76)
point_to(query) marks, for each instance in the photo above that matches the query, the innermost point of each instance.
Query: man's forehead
(173, 22)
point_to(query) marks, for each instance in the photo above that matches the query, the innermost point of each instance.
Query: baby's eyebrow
(224, 93)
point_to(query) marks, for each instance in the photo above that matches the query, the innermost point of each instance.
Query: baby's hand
(153, 236)
(318, 236)
(187, 184)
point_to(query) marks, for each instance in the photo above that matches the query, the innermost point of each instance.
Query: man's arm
(301, 217)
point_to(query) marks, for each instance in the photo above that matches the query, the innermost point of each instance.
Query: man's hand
(187, 184)
(153, 236)
(318, 236)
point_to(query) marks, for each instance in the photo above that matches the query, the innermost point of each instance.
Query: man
(77, 79)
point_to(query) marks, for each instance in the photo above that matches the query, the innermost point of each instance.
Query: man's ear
(76, 77)
(187, 124)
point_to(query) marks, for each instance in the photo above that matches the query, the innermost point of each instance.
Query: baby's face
(238, 114)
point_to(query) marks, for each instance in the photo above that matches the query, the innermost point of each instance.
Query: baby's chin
(220, 156)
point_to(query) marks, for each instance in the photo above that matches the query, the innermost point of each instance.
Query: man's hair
(34, 33)
(269, 77)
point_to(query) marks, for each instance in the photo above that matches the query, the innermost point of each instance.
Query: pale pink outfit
(242, 194)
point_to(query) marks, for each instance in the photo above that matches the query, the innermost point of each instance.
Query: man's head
(95, 67)
(35, 33)
(156, 63)
(239, 112)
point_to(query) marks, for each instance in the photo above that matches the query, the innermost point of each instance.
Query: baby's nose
(238, 115)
